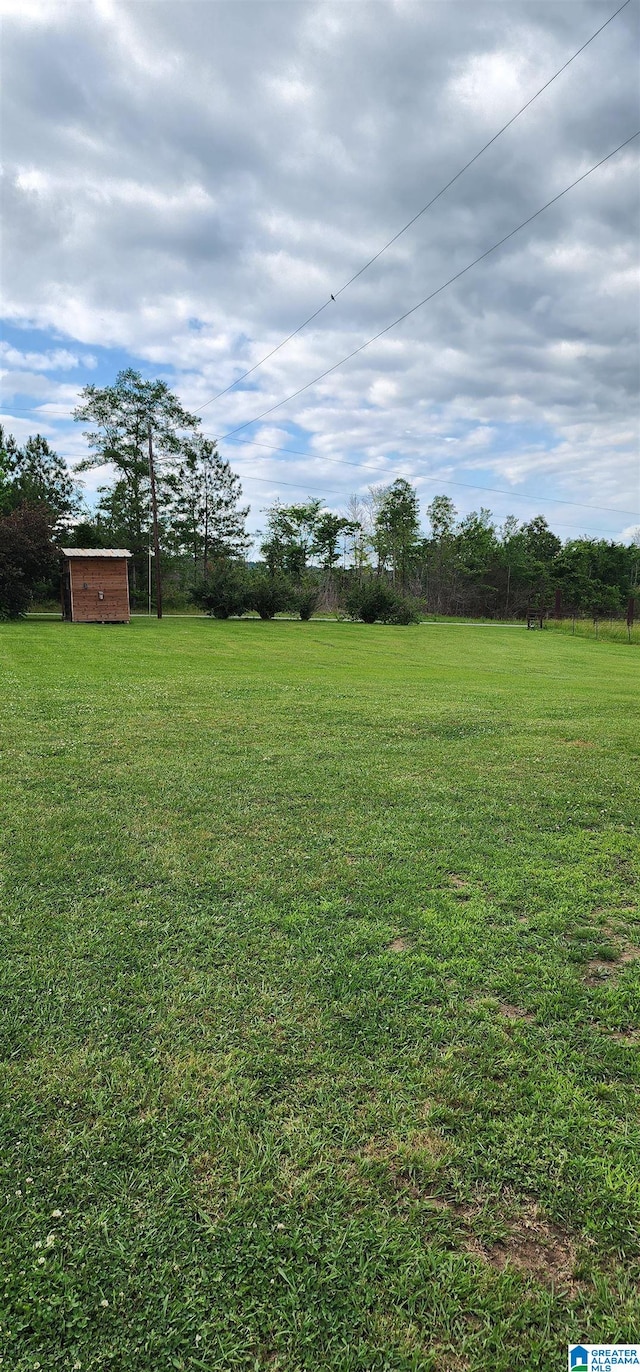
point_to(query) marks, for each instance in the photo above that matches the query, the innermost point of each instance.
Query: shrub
(269, 595)
(406, 611)
(225, 592)
(307, 600)
(376, 600)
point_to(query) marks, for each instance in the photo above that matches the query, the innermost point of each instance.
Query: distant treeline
(372, 559)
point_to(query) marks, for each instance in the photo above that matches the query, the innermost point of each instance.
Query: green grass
(608, 631)
(319, 991)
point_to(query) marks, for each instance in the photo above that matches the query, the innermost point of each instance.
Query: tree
(36, 475)
(541, 547)
(476, 546)
(89, 533)
(442, 515)
(439, 552)
(328, 529)
(476, 542)
(27, 556)
(291, 531)
(359, 514)
(139, 427)
(397, 529)
(205, 517)
(513, 559)
(572, 576)
(8, 452)
(542, 544)
(123, 513)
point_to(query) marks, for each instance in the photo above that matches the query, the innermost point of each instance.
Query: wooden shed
(95, 585)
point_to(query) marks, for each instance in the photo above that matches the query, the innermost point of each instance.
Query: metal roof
(96, 552)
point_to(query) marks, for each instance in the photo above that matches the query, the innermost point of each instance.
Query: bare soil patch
(533, 1245)
(398, 945)
(394, 1150)
(460, 886)
(598, 970)
(515, 1012)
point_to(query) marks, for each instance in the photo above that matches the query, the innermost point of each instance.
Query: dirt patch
(597, 971)
(412, 1343)
(420, 1142)
(214, 1193)
(614, 910)
(460, 886)
(515, 1012)
(629, 1037)
(398, 945)
(405, 1166)
(613, 931)
(578, 743)
(533, 1245)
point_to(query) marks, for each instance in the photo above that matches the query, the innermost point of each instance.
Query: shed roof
(96, 552)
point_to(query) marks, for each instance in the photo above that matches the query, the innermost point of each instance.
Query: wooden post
(156, 538)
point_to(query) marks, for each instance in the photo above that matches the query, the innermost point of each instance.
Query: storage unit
(95, 585)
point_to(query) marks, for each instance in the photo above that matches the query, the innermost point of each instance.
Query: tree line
(172, 490)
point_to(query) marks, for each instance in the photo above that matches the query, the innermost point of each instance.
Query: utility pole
(156, 539)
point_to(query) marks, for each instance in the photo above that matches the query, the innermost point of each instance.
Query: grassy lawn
(320, 997)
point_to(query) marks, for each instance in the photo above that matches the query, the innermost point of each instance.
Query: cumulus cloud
(186, 182)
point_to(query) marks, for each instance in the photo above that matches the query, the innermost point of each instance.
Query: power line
(396, 471)
(416, 216)
(440, 480)
(493, 490)
(302, 485)
(456, 277)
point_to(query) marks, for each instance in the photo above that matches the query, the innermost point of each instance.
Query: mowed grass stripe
(321, 996)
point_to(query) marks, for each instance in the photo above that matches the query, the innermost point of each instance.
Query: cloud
(58, 359)
(184, 183)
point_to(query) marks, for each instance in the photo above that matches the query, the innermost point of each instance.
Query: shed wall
(92, 576)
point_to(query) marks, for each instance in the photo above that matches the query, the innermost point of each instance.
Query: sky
(185, 182)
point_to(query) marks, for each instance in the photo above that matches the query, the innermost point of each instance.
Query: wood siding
(93, 576)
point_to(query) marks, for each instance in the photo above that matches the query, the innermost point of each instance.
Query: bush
(377, 600)
(307, 600)
(27, 557)
(225, 592)
(269, 595)
(406, 611)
